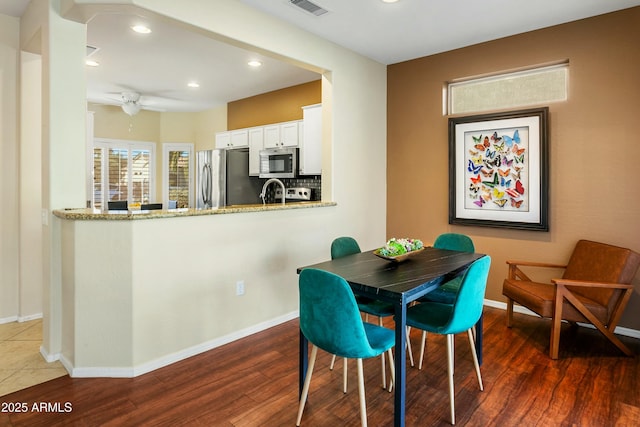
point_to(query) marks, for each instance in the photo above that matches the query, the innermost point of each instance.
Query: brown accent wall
(594, 143)
(273, 107)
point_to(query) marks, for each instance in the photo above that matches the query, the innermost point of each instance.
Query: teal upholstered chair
(451, 319)
(343, 246)
(446, 293)
(330, 319)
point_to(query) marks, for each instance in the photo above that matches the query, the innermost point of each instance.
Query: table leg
(401, 364)
(479, 339)
(303, 362)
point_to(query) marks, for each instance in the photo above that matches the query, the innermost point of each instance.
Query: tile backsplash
(312, 182)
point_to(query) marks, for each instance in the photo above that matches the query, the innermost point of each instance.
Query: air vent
(91, 50)
(308, 6)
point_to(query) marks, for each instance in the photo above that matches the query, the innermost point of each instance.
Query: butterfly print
(487, 173)
(473, 168)
(506, 162)
(509, 140)
(505, 183)
(475, 180)
(477, 140)
(517, 150)
(519, 187)
(492, 183)
(512, 192)
(495, 137)
(516, 203)
(486, 142)
(490, 154)
(500, 202)
(479, 202)
(520, 159)
(495, 162)
(498, 194)
(504, 172)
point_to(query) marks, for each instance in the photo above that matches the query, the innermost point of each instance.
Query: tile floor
(21, 364)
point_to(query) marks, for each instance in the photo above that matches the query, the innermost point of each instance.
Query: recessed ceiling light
(193, 84)
(254, 63)
(141, 29)
(91, 63)
(389, 1)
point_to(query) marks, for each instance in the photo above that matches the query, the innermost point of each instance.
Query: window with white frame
(529, 87)
(177, 175)
(122, 170)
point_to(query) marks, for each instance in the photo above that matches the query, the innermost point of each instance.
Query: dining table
(398, 283)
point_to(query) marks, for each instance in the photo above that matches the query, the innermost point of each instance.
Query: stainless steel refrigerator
(223, 179)
(210, 179)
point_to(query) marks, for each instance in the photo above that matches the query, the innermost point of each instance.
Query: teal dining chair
(343, 246)
(330, 320)
(451, 319)
(446, 293)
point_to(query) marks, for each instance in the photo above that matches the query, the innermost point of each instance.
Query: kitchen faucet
(266, 184)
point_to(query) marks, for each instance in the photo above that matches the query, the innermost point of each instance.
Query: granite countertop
(96, 214)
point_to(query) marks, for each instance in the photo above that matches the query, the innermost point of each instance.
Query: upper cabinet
(282, 135)
(310, 142)
(232, 139)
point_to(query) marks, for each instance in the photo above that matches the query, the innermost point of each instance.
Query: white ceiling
(160, 64)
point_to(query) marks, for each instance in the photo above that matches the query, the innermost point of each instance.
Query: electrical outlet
(240, 287)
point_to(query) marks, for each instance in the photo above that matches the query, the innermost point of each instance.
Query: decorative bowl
(398, 258)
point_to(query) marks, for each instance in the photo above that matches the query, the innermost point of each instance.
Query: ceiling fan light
(131, 108)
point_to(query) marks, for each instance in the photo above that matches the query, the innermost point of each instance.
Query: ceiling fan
(131, 103)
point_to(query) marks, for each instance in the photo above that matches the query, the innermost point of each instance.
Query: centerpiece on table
(399, 249)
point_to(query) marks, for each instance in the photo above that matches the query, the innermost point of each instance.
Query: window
(177, 174)
(123, 170)
(529, 87)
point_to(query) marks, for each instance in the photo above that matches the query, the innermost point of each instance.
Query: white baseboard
(20, 319)
(627, 332)
(130, 372)
(49, 357)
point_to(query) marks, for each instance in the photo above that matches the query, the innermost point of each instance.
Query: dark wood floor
(253, 382)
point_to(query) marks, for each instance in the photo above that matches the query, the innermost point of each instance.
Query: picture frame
(499, 170)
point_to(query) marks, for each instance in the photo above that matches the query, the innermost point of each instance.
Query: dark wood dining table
(398, 283)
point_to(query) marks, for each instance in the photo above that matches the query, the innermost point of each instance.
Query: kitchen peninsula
(97, 214)
(143, 290)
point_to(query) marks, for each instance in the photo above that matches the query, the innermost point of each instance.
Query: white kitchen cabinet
(281, 135)
(310, 141)
(256, 143)
(232, 139)
(223, 140)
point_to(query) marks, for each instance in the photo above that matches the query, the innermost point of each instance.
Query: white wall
(185, 269)
(9, 151)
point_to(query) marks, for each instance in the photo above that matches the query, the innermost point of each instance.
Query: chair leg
(450, 372)
(361, 394)
(333, 361)
(382, 362)
(423, 343)
(307, 381)
(344, 375)
(509, 312)
(392, 367)
(409, 349)
(475, 358)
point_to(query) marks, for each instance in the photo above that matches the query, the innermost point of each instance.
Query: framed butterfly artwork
(499, 170)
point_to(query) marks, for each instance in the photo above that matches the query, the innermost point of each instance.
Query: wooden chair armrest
(516, 273)
(536, 264)
(587, 284)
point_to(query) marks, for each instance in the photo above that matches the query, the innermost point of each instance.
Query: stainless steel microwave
(279, 163)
